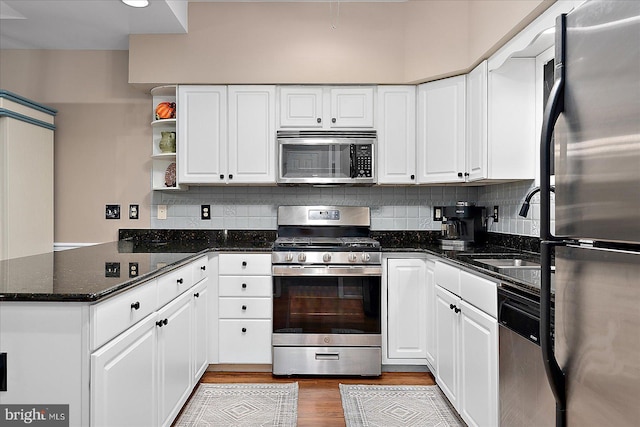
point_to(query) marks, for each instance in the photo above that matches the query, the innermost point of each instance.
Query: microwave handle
(353, 172)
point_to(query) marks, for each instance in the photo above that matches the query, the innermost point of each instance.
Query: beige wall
(286, 42)
(102, 139)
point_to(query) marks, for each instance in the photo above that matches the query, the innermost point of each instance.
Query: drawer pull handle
(244, 307)
(327, 356)
(162, 322)
(244, 330)
(135, 305)
(244, 286)
(197, 295)
(244, 263)
(203, 268)
(180, 281)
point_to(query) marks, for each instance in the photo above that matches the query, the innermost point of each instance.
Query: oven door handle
(328, 271)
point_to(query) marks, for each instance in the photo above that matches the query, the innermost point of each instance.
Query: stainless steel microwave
(325, 157)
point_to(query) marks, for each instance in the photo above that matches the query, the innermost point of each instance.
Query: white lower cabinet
(466, 341)
(144, 375)
(244, 308)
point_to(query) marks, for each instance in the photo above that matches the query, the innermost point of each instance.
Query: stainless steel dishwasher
(525, 396)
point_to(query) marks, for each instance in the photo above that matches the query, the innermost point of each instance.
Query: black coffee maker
(463, 225)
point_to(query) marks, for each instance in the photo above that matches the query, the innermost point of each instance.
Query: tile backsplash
(392, 208)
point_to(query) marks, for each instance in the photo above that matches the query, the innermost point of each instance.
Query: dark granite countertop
(81, 274)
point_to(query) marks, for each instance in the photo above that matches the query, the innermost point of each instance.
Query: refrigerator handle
(555, 106)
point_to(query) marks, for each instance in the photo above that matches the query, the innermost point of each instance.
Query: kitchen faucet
(524, 210)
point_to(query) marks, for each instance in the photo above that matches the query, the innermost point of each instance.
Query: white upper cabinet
(252, 143)
(477, 123)
(396, 134)
(202, 134)
(326, 106)
(441, 131)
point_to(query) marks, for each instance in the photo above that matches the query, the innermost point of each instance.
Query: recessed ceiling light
(136, 3)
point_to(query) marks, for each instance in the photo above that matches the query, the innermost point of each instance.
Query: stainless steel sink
(508, 262)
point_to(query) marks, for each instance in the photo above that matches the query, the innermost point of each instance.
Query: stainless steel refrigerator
(594, 113)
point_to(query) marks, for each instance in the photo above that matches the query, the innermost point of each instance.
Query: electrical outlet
(134, 211)
(111, 269)
(437, 213)
(205, 212)
(162, 211)
(112, 212)
(133, 269)
(495, 213)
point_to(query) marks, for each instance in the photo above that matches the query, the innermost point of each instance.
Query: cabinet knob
(135, 305)
(244, 263)
(459, 174)
(244, 330)
(203, 268)
(466, 174)
(333, 120)
(230, 176)
(451, 306)
(413, 177)
(180, 281)
(457, 310)
(319, 120)
(197, 295)
(161, 323)
(244, 286)
(221, 176)
(244, 307)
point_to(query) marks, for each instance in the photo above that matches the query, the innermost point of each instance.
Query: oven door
(327, 305)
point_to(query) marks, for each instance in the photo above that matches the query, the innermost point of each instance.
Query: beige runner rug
(242, 405)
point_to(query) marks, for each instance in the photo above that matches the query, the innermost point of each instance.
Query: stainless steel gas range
(327, 278)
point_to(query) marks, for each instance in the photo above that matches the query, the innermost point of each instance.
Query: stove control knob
(302, 257)
(288, 257)
(353, 257)
(326, 257)
(366, 257)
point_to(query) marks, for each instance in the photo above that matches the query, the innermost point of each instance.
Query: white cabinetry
(396, 134)
(244, 308)
(467, 343)
(407, 309)
(441, 131)
(252, 145)
(476, 116)
(202, 134)
(431, 315)
(326, 107)
(163, 167)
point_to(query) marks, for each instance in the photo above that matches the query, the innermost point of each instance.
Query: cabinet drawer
(244, 308)
(111, 317)
(481, 292)
(174, 283)
(448, 277)
(244, 264)
(245, 341)
(244, 286)
(200, 269)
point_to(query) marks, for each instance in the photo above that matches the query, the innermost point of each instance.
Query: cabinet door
(200, 329)
(351, 107)
(396, 158)
(300, 106)
(202, 134)
(431, 315)
(441, 131)
(174, 357)
(245, 340)
(252, 143)
(123, 379)
(479, 367)
(477, 160)
(447, 331)
(407, 308)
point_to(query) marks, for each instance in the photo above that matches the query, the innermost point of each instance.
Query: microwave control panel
(361, 160)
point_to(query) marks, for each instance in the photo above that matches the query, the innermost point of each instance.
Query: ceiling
(91, 24)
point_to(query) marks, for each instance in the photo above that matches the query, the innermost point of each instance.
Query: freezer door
(597, 150)
(597, 341)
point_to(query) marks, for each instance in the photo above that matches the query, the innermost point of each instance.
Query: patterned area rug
(242, 405)
(397, 406)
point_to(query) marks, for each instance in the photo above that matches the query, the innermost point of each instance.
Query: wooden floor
(319, 403)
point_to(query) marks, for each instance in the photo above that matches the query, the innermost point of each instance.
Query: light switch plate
(112, 212)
